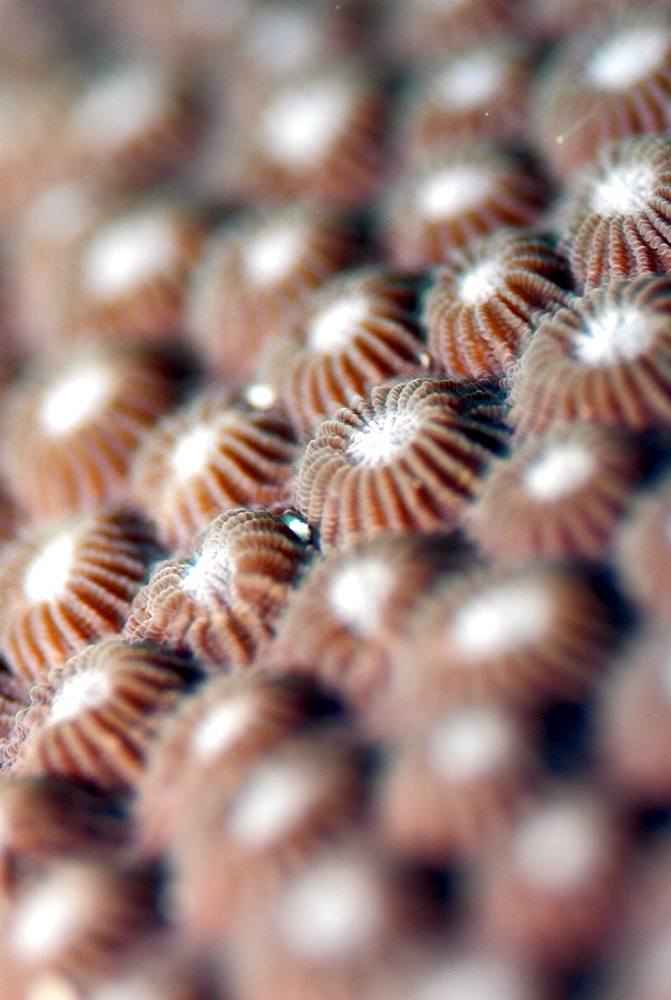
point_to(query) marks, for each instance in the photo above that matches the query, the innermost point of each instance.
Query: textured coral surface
(335, 500)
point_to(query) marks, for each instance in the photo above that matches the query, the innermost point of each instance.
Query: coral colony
(335, 500)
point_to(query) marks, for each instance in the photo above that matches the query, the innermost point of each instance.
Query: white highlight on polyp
(612, 335)
(470, 744)
(121, 105)
(299, 124)
(221, 727)
(48, 917)
(209, 573)
(559, 470)
(273, 253)
(271, 803)
(75, 398)
(627, 188)
(331, 911)
(451, 190)
(480, 282)
(192, 452)
(47, 573)
(335, 324)
(502, 619)
(356, 593)
(625, 58)
(80, 693)
(126, 254)
(473, 79)
(558, 846)
(380, 440)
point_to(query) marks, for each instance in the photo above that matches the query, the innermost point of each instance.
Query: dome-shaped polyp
(221, 604)
(74, 422)
(614, 220)
(70, 584)
(207, 457)
(603, 358)
(254, 277)
(526, 637)
(483, 302)
(558, 496)
(338, 625)
(357, 331)
(91, 723)
(406, 459)
(603, 84)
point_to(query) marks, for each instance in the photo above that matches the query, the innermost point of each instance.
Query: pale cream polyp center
(272, 253)
(451, 190)
(80, 693)
(192, 452)
(613, 335)
(336, 324)
(626, 189)
(558, 847)
(120, 106)
(300, 124)
(331, 911)
(380, 440)
(501, 619)
(48, 916)
(284, 38)
(209, 574)
(126, 254)
(627, 57)
(480, 282)
(221, 727)
(472, 80)
(270, 804)
(48, 572)
(75, 398)
(559, 470)
(469, 744)
(477, 976)
(356, 593)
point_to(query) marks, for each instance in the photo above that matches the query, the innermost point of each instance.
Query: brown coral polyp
(133, 270)
(483, 302)
(615, 217)
(338, 625)
(231, 722)
(93, 719)
(69, 585)
(220, 605)
(551, 893)
(256, 829)
(603, 358)
(455, 788)
(561, 495)
(207, 457)
(317, 136)
(471, 93)
(405, 460)
(130, 126)
(603, 84)
(529, 637)
(454, 195)
(76, 918)
(74, 422)
(357, 331)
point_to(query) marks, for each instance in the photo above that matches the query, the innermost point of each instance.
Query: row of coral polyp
(335, 500)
